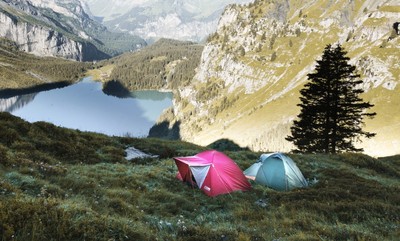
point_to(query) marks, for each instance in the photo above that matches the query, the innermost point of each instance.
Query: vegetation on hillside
(164, 64)
(61, 184)
(21, 70)
(117, 43)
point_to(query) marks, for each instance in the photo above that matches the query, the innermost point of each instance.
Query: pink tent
(213, 172)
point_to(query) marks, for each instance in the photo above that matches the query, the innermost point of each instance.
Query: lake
(84, 106)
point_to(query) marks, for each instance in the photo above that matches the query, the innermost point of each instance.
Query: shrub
(8, 136)
(3, 155)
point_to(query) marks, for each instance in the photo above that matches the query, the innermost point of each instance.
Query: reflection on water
(14, 103)
(84, 106)
(151, 95)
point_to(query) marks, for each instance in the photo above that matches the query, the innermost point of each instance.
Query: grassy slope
(21, 70)
(102, 73)
(60, 184)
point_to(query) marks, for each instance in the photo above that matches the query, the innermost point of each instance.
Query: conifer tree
(332, 112)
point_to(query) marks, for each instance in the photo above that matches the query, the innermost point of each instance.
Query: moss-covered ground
(62, 184)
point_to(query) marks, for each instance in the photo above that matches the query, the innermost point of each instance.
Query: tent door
(200, 174)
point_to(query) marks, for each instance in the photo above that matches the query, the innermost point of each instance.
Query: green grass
(60, 184)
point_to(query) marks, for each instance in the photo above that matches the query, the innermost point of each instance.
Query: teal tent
(276, 171)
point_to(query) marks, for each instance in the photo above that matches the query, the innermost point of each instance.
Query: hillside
(252, 68)
(61, 184)
(167, 64)
(20, 70)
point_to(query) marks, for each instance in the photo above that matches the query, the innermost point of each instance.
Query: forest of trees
(165, 64)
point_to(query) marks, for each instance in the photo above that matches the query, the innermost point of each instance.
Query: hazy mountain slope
(154, 19)
(60, 28)
(247, 85)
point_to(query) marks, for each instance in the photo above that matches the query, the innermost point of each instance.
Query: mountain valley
(247, 85)
(243, 84)
(235, 92)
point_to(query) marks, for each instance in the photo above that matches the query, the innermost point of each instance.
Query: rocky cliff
(252, 68)
(56, 28)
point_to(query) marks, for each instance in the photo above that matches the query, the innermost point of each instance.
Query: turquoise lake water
(84, 106)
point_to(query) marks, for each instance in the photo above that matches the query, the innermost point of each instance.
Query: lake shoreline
(84, 105)
(11, 92)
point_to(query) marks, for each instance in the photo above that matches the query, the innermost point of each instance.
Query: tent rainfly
(213, 172)
(276, 171)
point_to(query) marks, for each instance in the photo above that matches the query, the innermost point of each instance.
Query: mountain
(247, 85)
(191, 20)
(60, 28)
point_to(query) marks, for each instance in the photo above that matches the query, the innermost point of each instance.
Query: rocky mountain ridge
(154, 19)
(247, 85)
(57, 28)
